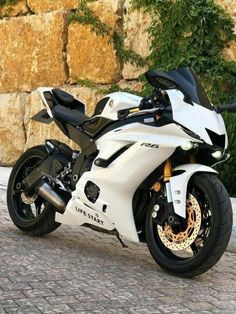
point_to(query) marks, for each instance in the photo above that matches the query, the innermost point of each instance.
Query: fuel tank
(118, 101)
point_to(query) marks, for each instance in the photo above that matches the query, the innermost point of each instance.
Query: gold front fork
(166, 175)
(192, 159)
(167, 171)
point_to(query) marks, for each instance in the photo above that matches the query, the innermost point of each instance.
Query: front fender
(179, 185)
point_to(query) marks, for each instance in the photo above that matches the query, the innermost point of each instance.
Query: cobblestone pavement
(75, 270)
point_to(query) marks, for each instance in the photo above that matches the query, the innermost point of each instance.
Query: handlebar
(227, 107)
(155, 100)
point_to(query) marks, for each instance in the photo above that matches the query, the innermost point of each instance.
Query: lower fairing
(148, 148)
(119, 183)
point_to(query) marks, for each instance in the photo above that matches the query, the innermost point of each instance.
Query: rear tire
(37, 218)
(216, 218)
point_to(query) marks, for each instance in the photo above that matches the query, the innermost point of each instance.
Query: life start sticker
(94, 217)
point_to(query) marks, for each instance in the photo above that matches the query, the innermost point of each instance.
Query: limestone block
(39, 6)
(230, 7)
(12, 133)
(19, 8)
(92, 56)
(230, 53)
(136, 23)
(32, 52)
(134, 86)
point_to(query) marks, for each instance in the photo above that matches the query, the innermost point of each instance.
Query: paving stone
(23, 310)
(119, 303)
(61, 299)
(38, 293)
(58, 308)
(84, 306)
(226, 304)
(203, 305)
(15, 287)
(11, 294)
(143, 310)
(75, 270)
(7, 303)
(69, 291)
(164, 308)
(32, 302)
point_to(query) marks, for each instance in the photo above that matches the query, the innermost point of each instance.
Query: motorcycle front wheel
(205, 234)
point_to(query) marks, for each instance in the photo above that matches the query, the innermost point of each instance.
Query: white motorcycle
(143, 173)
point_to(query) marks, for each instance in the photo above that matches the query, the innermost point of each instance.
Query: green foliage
(194, 33)
(7, 2)
(227, 170)
(85, 16)
(103, 91)
(86, 83)
(114, 88)
(111, 89)
(124, 54)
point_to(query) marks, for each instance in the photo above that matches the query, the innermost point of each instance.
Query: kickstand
(122, 243)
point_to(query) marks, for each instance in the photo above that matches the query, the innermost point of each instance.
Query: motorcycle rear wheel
(31, 214)
(206, 192)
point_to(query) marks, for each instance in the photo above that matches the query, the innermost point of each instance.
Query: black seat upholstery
(95, 125)
(71, 111)
(100, 106)
(67, 100)
(74, 117)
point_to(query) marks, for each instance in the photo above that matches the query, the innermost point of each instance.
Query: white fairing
(120, 180)
(41, 90)
(179, 185)
(119, 101)
(147, 147)
(196, 118)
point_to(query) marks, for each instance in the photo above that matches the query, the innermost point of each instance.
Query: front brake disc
(182, 240)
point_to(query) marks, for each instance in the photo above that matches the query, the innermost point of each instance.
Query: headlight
(187, 146)
(218, 154)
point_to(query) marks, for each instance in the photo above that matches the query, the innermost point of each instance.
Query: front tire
(34, 216)
(213, 233)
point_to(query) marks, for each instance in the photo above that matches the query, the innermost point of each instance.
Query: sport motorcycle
(144, 171)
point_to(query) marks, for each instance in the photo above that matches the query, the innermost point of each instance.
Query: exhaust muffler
(52, 197)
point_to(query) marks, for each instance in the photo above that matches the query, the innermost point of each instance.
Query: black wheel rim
(204, 233)
(27, 213)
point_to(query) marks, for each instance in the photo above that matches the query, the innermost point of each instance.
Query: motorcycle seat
(66, 100)
(70, 116)
(70, 110)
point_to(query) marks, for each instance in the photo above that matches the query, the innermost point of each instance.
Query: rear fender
(179, 185)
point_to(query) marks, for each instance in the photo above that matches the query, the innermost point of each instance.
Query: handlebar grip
(146, 103)
(228, 107)
(125, 112)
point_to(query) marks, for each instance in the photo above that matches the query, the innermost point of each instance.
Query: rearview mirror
(164, 81)
(160, 80)
(229, 107)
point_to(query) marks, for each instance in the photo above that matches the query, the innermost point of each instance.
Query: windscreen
(188, 80)
(184, 79)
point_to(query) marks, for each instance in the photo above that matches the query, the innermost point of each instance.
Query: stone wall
(40, 48)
